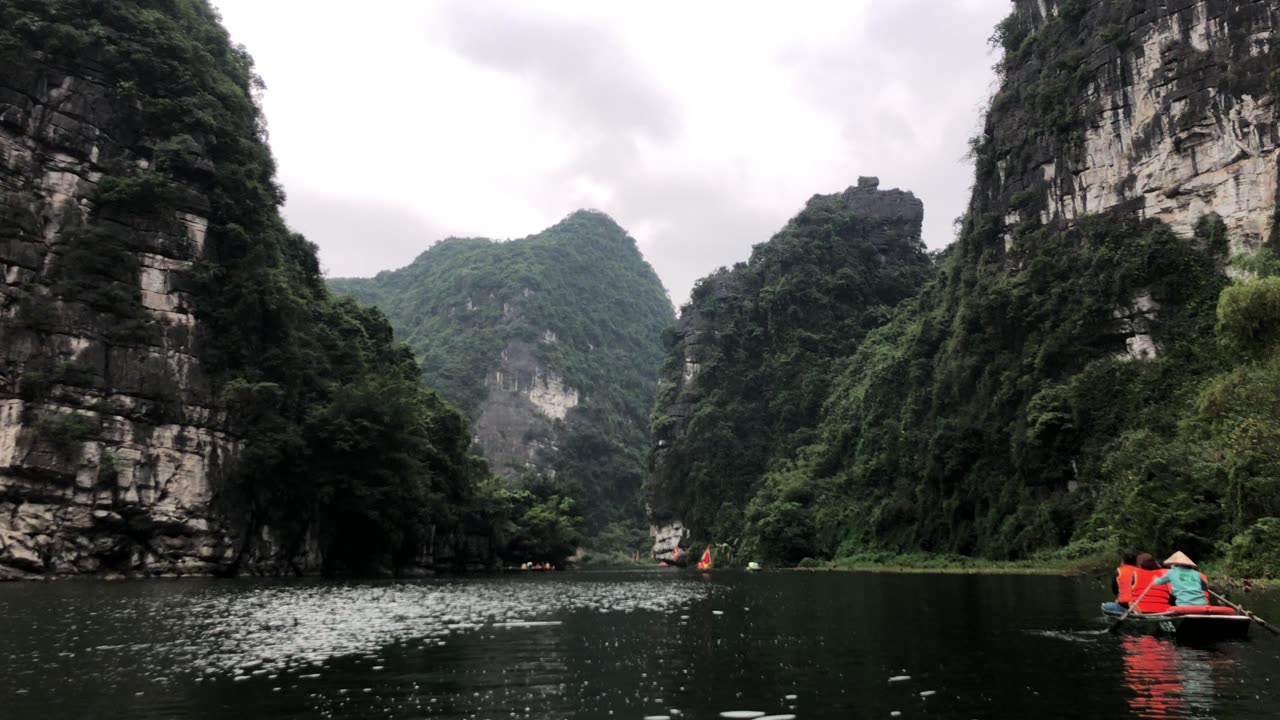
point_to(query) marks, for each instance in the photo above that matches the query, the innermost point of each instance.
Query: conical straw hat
(1179, 558)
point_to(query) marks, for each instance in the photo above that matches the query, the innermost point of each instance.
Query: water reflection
(1171, 681)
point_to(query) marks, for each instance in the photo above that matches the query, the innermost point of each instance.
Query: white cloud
(701, 127)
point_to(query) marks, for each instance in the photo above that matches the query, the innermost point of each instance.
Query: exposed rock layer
(517, 426)
(1163, 109)
(110, 439)
(127, 136)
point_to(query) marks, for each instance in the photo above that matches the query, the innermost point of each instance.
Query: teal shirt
(1185, 584)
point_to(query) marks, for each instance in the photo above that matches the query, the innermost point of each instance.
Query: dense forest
(336, 434)
(576, 303)
(1057, 389)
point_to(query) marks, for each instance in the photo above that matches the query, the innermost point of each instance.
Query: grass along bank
(873, 561)
(1100, 565)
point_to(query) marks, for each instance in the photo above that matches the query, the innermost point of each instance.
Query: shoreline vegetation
(923, 563)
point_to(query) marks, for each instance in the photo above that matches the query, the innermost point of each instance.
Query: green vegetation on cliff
(576, 301)
(337, 436)
(1058, 390)
(750, 363)
(981, 419)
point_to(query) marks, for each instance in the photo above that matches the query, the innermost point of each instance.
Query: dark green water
(609, 645)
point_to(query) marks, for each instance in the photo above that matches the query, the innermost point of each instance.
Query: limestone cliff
(109, 433)
(549, 343)
(158, 323)
(526, 405)
(1164, 109)
(748, 359)
(1031, 396)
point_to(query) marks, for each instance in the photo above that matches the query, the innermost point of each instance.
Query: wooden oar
(1247, 614)
(1132, 606)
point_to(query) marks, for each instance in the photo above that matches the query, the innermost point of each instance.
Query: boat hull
(1185, 628)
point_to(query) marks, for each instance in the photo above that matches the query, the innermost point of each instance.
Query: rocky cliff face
(1160, 108)
(747, 355)
(526, 405)
(136, 202)
(110, 439)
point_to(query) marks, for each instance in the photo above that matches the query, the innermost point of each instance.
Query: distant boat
(1187, 623)
(676, 559)
(705, 563)
(754, 566)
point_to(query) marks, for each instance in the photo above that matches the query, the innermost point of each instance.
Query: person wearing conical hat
(1186, 583)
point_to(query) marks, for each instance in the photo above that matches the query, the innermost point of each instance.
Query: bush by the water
(1256, 551)
(535, 524)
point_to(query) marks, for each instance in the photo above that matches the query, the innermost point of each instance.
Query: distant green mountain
(550, 344)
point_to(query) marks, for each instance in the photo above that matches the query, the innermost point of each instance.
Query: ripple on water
(1084, 636)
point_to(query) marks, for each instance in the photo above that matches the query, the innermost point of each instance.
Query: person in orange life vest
(1150, 598)
(1188, 585)
(1122, 583)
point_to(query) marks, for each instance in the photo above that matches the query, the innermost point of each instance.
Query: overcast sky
(700, 127)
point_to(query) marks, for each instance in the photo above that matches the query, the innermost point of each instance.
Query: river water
(621, 645)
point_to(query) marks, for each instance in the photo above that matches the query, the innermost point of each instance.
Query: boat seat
(1200, 610)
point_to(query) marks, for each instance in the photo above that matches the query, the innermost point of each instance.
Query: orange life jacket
(1124, 583)
(1205, 580)
(1157, 597)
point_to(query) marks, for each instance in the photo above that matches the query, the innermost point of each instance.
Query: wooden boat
(1195, 624)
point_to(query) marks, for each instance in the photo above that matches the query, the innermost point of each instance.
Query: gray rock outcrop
(517, 427)
(110, 438)
(114, 443)
(1171, 115)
